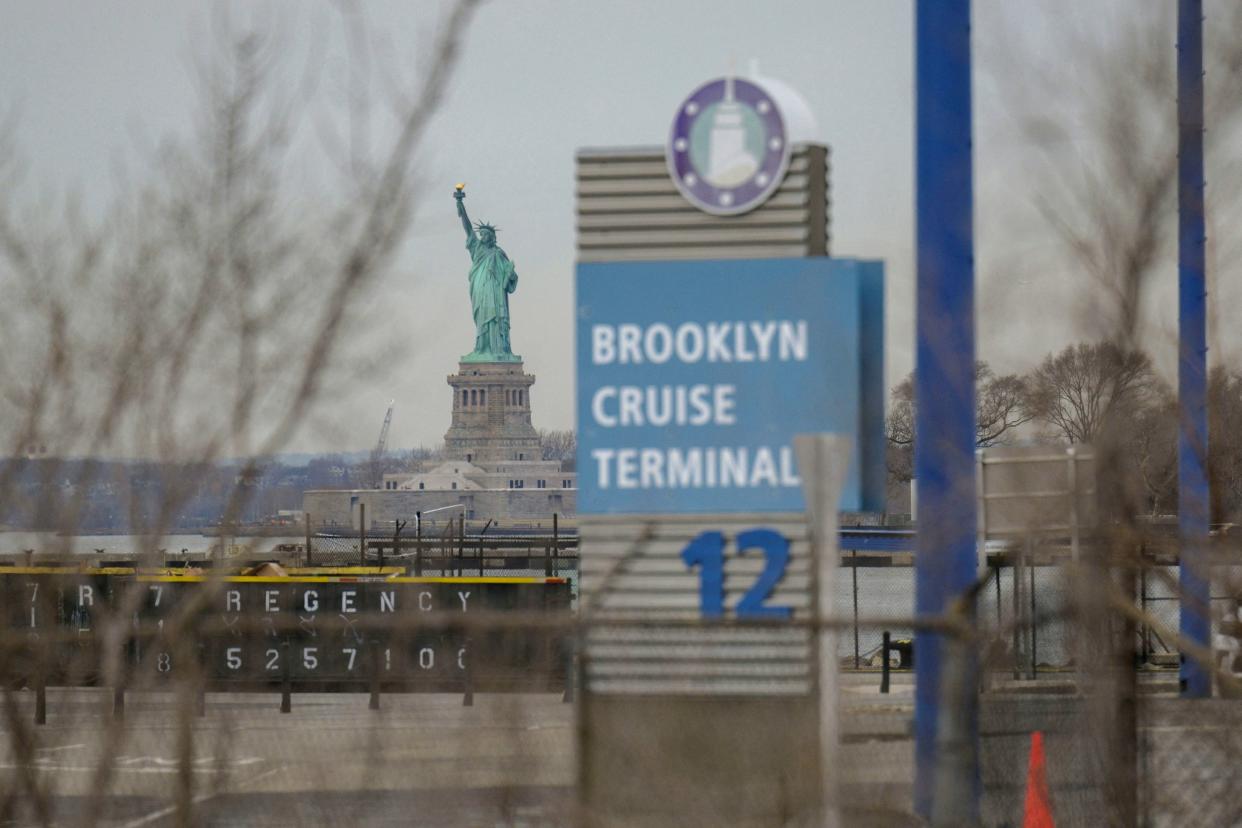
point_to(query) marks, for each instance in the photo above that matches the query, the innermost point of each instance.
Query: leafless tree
(422, 457)
(1000, 407)
(1225, 451)
(1078, 389)
(1149, 437)
(559, 445)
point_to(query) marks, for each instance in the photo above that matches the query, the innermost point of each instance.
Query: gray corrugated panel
(697, 635)
(651, 164)
(673, 616)
(592, 188)
(640, 573)
(670, 201)
(636, 577)
(627, 192)
(645, 580)
(738, 573)
(666, 546)
(595, 177)
(670, 548)
(657, 547)
(711, 686)
(614, 596)
(603, 560)
(721, 651)
(637, 153)
(626, 526)
(641, 606)
(592, 239)
(664, 538)
(624, 564)
(696, 669)
(688, 601)
(689, 218)
(722, 251)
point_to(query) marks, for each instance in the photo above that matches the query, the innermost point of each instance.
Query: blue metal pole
(1193, 487)
(944, 447)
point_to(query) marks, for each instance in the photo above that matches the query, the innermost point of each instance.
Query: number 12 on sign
(706, 552)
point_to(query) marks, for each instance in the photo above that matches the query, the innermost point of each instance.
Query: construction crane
(378, 454)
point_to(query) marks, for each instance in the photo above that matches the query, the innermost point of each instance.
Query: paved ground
(420, 760)
(509, 760)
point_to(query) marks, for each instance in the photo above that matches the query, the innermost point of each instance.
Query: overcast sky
(97, 82)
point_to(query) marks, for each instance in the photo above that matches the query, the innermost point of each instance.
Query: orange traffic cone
(1038, 810)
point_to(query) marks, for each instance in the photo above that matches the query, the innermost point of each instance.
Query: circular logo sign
(727, 151)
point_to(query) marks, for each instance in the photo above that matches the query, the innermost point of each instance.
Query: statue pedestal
(475, 358)
(491, 413)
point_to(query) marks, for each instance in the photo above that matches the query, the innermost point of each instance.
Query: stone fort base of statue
(493, 467)
(491, 413)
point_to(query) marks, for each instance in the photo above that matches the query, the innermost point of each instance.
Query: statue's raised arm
(460, 195)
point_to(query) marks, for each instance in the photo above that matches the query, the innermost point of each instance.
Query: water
(12, 543)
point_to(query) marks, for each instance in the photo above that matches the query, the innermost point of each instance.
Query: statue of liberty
(492, 279)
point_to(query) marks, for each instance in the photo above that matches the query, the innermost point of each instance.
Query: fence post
(306, 518)
(823, 459)
(1146, 637)
(362, 537)
(556, 545)
(1072, 455)
(884, 662)
(200, 702)
(286, 684)
(567, 644)
(374, 703)
(1031, 567)
(467, 699)
(418, 544)
(996, 571)
(1016, 564)
(854, 575)
(1194, 493)
(947, 561)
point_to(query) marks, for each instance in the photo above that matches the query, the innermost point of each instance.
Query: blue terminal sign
(694, 377)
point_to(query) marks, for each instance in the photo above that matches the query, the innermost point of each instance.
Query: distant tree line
(1073, 396)
(117, 495)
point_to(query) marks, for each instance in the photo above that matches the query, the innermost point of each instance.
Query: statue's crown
(483, 225)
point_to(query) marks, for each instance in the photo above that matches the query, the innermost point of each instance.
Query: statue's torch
(459, 192)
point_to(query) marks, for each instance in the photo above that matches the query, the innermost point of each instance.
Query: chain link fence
(508, 757)
(215, 698)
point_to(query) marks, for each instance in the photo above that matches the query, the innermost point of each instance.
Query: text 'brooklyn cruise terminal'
(622, 406)
(694, 377)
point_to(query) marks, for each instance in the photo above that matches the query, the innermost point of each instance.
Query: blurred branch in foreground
(202, 316)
